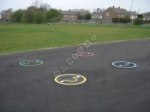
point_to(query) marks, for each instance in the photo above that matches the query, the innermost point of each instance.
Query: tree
(139, 20)
(28, 15)
(39, 17)
(45, 6)
(37, 3)
(17, 15)
(140, 16)
(53, 15)
(88, 16)
(79, 16)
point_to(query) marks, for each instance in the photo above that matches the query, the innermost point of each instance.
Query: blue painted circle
(124, 64)
(31, 62)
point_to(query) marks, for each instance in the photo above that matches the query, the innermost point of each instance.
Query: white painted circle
(70, 79)
(31, 62)
(124, 64)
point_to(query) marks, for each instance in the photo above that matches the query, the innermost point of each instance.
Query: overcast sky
(138, 5)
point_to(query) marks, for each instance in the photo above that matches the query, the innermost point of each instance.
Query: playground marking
(124, 64)
(85, 54)
(70, 79)
(31, 62)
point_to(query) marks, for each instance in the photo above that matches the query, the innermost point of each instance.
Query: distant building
(97, 15)
(113, 12)
(146, 16)
(0, 17)
(71, 16)
(133, 15)
(6, 15)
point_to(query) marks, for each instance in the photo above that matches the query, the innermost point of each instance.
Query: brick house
(113, 12)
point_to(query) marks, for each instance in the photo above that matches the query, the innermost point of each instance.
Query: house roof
(74, 12)
(146, 15)
(119, 10)
(69, 12)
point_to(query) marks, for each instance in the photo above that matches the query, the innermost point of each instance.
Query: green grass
(19, 37)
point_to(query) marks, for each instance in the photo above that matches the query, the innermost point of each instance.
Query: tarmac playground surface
(110, 77)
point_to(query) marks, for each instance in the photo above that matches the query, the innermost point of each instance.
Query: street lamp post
(131, 12)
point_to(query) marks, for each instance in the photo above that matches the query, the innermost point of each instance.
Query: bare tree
(37, 3)
(40, 4)
(45, 6)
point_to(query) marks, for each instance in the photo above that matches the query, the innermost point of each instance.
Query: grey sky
(138, 5)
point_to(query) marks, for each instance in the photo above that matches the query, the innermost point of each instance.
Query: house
(146, 16)
(6, 15)
(97, 15)
(71, 16)
(113, 12)
(133, 15)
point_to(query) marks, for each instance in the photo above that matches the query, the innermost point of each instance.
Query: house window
(107, 14)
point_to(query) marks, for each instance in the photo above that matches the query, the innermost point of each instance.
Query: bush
(146, 21)
(115, 20)
(28, 15)
(88, 16)
(39, 17)
(140, 16)
(120, 20)
(124, 20)
(53, 15)
(17, 15)
(138, 21)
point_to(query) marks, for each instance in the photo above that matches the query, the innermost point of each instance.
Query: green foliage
(124, 20)
(138, 21)
(146, 21)
(88, 16)
(79, 16)
(17, 15)
(39, 17)
(36, 15)
(53, 15)
(120, 20)
(19, 37)
(115, 20)
(140, 16)
(28, 15)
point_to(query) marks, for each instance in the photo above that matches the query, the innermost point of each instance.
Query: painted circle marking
(85, 54)
(31, 62)
(124, 64)
(70, 79)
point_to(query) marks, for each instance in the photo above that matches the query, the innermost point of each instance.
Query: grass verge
(20, 37)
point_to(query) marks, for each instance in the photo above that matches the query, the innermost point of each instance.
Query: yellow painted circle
(70, 79)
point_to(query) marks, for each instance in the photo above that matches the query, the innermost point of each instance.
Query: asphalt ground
(106, 89)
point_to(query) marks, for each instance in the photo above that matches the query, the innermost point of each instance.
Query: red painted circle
(85, 54)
